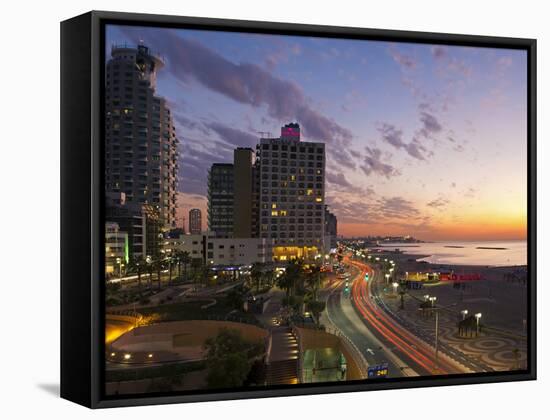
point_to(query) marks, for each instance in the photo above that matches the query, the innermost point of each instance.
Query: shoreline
(414, 263)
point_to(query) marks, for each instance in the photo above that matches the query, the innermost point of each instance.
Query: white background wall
(29, 333)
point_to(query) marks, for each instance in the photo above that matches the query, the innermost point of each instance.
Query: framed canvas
(254, 209)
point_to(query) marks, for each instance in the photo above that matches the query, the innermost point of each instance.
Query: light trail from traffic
(408, 344)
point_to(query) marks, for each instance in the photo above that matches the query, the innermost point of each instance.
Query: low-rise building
(116, 249)
(215, 251)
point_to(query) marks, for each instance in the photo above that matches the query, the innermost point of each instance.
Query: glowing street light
(387, 278)
(464, 313)
(432, 300)
(127, 356)
(395, 284)
(426, 297)
(478, 316)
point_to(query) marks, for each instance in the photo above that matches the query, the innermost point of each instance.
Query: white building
(223, 251)
(292, 194)
(116, 249)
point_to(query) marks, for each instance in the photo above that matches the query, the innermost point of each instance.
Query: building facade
(195, 221)
(141, 157)
(292, 194)
(218, 252)
(244, 209)
(221, 199)
(331, 228)
(116, 249)
(142, 224)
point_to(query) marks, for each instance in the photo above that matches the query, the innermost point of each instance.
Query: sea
(489, 253)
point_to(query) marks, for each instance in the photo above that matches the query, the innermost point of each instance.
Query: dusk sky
(422, 140)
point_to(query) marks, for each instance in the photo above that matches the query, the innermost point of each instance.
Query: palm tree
(150, 268)
(185, 260)
(289, 280)
(138, 265)
(158, 265)
(269, 275)
(256, 275)
(196, 266)
(314, 281)
(170, 260)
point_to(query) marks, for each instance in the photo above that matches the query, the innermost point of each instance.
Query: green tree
(313, 281)
(196, 267)
(235, 298)
(158, 265)
(185, 260)
(227, 359)
(269, 275)
(316, 307)
(291, 278)
(170, 261)
(138, 266)
(256, 275)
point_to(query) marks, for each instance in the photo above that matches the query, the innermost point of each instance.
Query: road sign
(378, 371)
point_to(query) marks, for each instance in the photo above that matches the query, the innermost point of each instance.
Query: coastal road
(410, 348)
(341, 315)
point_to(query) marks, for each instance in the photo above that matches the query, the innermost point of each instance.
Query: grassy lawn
(170, 370)
(193, 311)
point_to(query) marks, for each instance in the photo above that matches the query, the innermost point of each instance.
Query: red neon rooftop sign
(290, 132)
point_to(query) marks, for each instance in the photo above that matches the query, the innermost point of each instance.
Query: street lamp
(464, 313)
(387, 278)
(426, 297)
(432, 300)
(395, 284)
(478, 316)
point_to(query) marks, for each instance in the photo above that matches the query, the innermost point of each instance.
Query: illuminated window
(274, 213)
(293, 177)
(274, 205)
(309, 192)
(283, 213)
(318, 199)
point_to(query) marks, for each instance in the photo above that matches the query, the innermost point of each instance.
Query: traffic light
(367, 277)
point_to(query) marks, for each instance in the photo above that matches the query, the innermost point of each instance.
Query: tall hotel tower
(195, 222)
(221, 200)
(141, 157)
(292, 194)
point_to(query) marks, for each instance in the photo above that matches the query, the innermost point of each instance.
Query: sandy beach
(500, 296)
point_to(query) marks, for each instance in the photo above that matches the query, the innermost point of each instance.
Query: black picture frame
(82, 205)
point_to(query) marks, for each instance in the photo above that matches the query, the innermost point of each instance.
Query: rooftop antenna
(264, 134)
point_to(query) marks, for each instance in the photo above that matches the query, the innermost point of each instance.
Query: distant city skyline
(421, 140)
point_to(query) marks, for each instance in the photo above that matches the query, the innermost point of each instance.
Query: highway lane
(408, 346)
(428, 336)
(341, 314)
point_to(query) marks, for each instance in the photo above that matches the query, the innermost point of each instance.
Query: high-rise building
(141, 157)
(244, 208)
(292, 194)
(221, 199)
(331, 228)
(195, 221)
